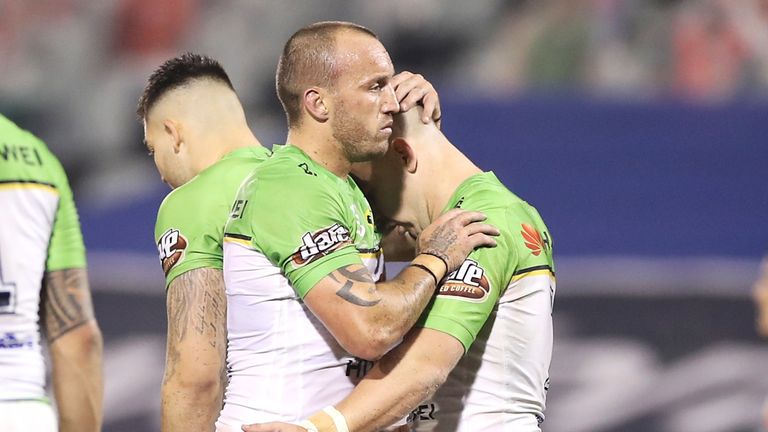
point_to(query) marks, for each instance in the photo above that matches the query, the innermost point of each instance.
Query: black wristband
(426, 269)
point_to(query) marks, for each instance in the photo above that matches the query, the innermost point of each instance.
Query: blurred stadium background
(639, 128)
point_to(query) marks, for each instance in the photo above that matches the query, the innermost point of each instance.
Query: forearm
(190, 406)
(386, 399)
(403, 299)
(408, 375)
(195, 365)
(75, 345)
(78, 378)
(366, 318)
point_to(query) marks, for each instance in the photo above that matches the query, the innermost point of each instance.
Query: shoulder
(26, 157)
(195, 204)
(287, 177)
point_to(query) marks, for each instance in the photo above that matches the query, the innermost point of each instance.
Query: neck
(447, 168)
(321, 148)
(217, 145)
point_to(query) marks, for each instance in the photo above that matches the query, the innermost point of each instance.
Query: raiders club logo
(171, 248)
(467, 283)
(319, 244)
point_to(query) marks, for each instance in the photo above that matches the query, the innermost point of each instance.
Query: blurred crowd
(73, 69)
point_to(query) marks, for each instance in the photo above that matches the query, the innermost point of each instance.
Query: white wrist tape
(338, 418)
(308, 425)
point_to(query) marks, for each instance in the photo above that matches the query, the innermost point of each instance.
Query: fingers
(432, 111)
(410, 89)
(481, 240)
(412, 98)
(450, 214)
(468, 217)
(481, 228)
(406, 82)
(400, 77)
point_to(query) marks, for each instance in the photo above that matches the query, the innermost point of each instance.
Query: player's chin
(379, 146)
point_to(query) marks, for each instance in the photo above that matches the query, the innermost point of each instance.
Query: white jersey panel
(27, 415)
(23, 253)
(283, 363)
(505, 367)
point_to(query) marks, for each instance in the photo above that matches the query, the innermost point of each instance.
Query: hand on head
(412, 90)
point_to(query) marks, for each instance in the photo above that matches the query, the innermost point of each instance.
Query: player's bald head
(179, 73)
(309, 59)
(408, 125)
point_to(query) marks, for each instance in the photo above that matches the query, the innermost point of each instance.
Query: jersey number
(7, 294)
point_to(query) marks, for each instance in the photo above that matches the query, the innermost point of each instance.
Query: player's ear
(174, 131)
(315, 104)
(405, 154)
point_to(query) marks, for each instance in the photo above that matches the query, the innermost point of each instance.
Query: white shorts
(27, 415)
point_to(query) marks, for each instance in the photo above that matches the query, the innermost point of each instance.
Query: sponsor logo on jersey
(11, 340)
(423, 412)
(468, 282)
(320, 243)
(357, 368)
(171, 248)
(534, 240)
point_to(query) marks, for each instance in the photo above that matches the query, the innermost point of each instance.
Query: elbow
(194, 386)
(367, 350)
(372, 344)
(84, 341)
(92, 339)
(192, 379)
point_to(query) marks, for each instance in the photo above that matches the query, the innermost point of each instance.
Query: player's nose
(390, 104)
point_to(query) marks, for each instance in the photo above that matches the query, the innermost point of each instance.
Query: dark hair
(177, 72)
(308, 59)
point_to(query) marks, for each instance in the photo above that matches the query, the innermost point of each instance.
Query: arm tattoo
(65, 302)
(196, 303)
(360, 275)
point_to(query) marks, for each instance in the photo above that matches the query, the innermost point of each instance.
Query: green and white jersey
(190, 223)
(39, 232)
(498, 304)
(293, 223)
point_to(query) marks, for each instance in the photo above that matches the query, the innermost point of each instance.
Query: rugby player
(44, 286)
(301, 253)
(485, 342)
(195, 127)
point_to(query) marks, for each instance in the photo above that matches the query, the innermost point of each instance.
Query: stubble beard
(356, 142)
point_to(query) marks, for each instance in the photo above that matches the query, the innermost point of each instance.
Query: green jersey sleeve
(190, 223)
(187, 233)
(66, 248)
(299, 221)
(467, 296)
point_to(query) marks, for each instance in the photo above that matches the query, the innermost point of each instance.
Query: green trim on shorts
(45, 399)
